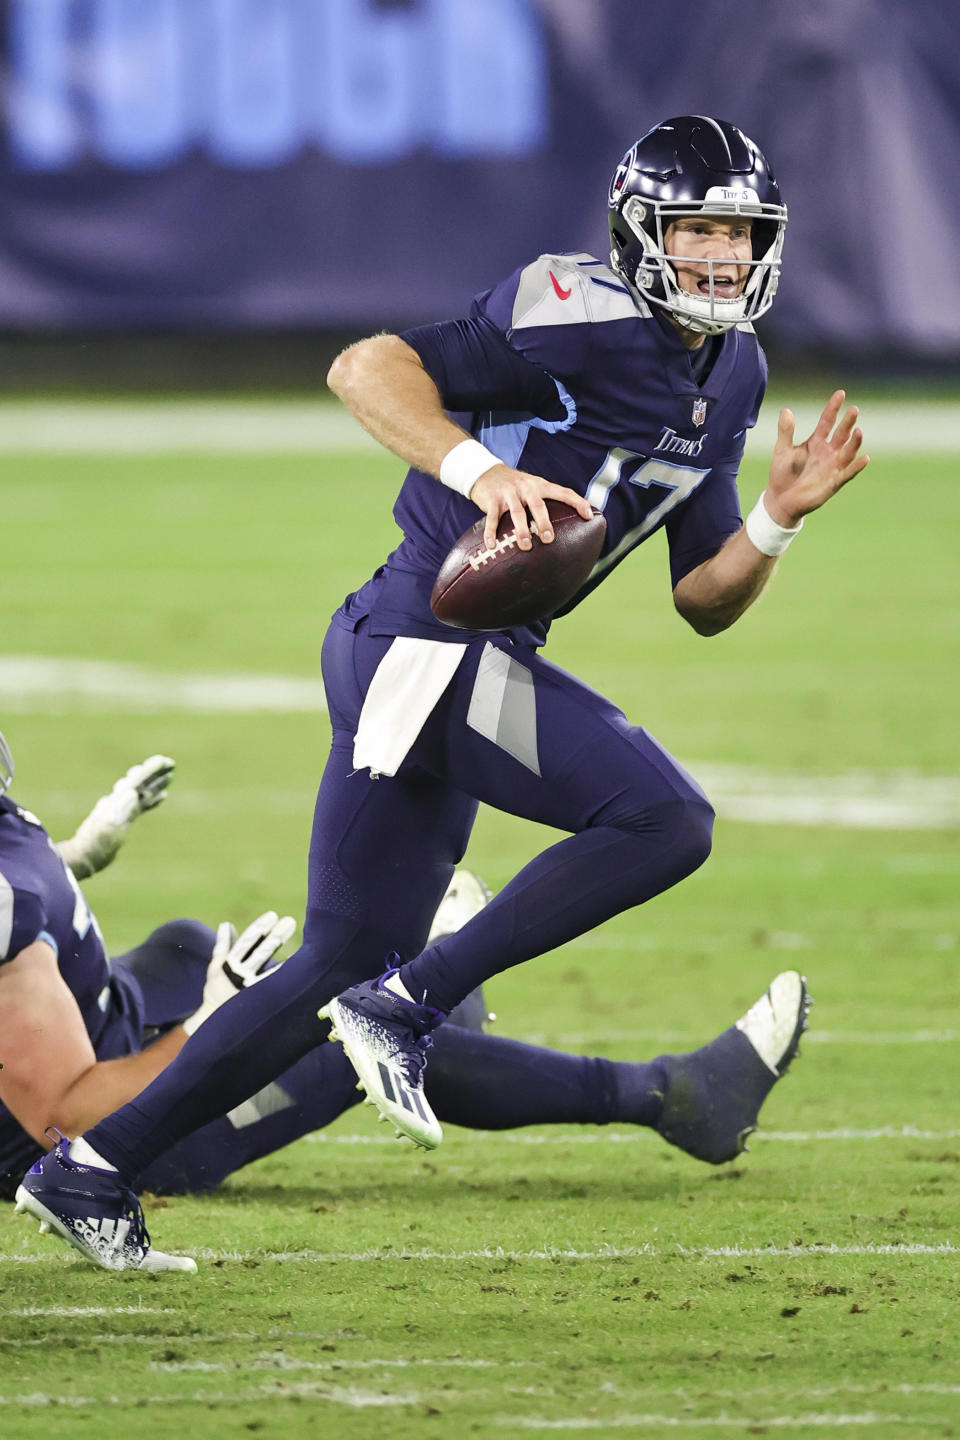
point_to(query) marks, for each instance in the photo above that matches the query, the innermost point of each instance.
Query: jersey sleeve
(23, 920)
(527, 341)
(474, 367)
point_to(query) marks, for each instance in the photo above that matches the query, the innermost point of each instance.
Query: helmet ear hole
(764, 235)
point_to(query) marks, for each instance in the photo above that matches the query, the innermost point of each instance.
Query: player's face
(692, 240)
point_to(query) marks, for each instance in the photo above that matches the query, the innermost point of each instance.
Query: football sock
(85, 1154)
(490, 1082)
(396, 985)
(639, 1090)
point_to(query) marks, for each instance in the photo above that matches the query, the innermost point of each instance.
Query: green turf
(590, 1281)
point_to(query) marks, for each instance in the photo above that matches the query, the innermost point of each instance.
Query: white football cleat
(775, 1023)
(712, 1096)
(386, 1039)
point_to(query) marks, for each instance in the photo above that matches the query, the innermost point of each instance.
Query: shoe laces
(415, 1016)
(412, 1058)
(409, 1044)
(133, 1211)
(129, 1202)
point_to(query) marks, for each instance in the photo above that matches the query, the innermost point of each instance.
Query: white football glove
(99, 837)
(238, 964)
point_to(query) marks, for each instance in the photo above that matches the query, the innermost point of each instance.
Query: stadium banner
(229, 165)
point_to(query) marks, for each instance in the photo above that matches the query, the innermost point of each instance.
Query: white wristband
(764, 532)
(461, 467)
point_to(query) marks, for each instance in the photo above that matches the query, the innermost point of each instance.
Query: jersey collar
(676, 358)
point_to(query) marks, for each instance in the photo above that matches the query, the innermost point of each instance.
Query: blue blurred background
(226, 188)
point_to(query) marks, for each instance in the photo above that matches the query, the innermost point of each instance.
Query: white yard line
(353, 1397)
(892, 799)
(602, 1252)
(575, 1039)
(755, 1423)
(74, 1312)
(307, 427)
(157, 1337)
(279, 1360)
(603, 1136)
(41, 683)
(197, 426)
(350, 1396)
(895, 799)
(497, 1252)
(599, 1137)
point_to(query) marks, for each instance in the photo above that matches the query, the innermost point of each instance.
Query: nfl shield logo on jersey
(699, 413)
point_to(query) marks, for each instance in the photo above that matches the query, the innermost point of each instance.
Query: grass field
(577, 1280)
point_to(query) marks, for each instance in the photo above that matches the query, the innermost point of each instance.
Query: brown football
(481, 589)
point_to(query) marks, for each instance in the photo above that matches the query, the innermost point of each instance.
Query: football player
(81, 1034)
(628, 386)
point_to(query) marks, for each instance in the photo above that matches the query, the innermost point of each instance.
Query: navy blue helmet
(694, 165)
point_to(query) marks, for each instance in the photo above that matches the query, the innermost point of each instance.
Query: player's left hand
(237, 963)
(100, 835)
(804, 476)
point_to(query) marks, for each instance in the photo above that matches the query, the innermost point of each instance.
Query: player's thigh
(384, 848)
(529, 738)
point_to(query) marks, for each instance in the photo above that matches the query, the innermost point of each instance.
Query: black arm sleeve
(475, 368)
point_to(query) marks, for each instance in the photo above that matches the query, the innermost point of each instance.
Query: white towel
(407, 684)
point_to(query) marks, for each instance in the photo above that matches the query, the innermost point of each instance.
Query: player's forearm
(105, 1086)
(714, 595)
(382, 382)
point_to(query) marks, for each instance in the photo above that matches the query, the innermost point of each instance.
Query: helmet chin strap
(707, 324)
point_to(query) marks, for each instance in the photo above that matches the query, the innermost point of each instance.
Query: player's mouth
(725, 287)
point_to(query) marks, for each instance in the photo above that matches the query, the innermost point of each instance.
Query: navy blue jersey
(562, 372)
(41, 900)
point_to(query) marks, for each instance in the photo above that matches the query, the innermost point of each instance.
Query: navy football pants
(511, 730)
(476, 1080)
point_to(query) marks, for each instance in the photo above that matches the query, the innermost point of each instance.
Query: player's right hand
(502, 489)
(237, 963)
(99, 837)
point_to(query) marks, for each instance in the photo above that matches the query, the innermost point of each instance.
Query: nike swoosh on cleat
(563, 294)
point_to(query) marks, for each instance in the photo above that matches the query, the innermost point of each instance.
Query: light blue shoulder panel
(572, 290)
